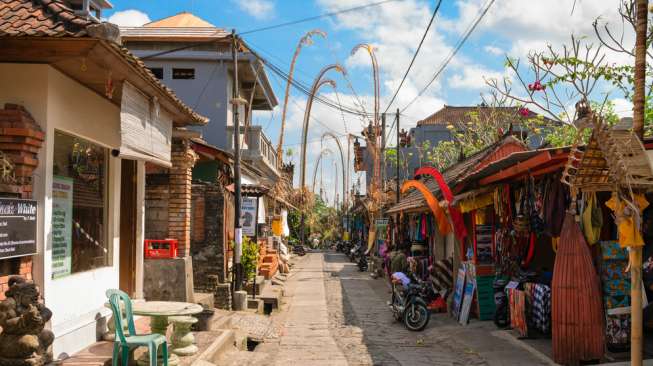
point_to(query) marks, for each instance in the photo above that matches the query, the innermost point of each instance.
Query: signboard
(62, 226)
(248, 216)
(458, 292)
(17, 227)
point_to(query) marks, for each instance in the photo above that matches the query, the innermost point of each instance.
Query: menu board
(248, 215)
(17, 227)
(62, 226)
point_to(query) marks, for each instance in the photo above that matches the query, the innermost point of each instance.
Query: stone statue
(23, 341)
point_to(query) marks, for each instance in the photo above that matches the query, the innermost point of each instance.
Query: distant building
(437, 128)
(193, 57)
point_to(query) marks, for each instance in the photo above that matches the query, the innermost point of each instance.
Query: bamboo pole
(638, 128)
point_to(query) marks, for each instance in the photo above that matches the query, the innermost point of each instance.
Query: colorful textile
(434, 205)
(518, 311)
(541, 307)
(617, 329)
(592, 218)
(630, 234)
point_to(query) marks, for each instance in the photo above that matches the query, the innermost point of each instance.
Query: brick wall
(209, 253)
(21, 139)
(197, 213)
(157, 196)
(183, 159)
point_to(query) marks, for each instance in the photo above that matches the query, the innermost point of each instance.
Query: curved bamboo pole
(342, 162)
(306, 40)
(376, 183)
(317, 84)
(325, 151)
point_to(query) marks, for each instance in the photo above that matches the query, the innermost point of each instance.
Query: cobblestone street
(336, 315)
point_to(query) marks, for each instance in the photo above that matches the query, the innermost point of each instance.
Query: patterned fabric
(518, 311)
(541, 307)
(617, 329)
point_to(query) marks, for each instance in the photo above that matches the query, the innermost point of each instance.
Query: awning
(145, 128)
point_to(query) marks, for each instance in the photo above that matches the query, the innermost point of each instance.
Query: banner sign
(17, 227)
(62, 226)
(248, 215)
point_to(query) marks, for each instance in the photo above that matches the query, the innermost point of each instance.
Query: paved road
(335, 315)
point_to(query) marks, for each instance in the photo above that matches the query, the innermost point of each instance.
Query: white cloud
(623, 107)
(129, 18)
(259, 9)
(493, 50)
(473, 77)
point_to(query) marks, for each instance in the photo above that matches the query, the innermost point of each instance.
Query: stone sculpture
(23, 341)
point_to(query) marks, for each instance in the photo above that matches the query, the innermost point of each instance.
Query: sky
(511, 28)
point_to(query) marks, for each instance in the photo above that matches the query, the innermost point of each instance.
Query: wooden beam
(518, 168)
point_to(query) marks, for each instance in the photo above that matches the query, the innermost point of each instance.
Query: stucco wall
(58, 102)
(208, 93)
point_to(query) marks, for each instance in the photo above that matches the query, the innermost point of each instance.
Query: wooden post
(638, 128)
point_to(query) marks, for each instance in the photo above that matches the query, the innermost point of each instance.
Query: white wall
(58, 102)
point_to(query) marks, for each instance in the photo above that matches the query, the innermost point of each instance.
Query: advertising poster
(248, 215)
(62, 226)
(17, 227)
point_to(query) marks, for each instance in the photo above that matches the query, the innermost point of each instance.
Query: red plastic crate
(160, 248)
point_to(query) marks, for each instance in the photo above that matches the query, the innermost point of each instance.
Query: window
(183, 73)
(158, 72)
(79, 206)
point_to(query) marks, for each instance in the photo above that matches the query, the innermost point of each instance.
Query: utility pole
(236, 102)
(398, 161)
(638, 129)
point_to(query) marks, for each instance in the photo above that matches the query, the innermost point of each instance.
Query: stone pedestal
(168, 279)
(240, 300)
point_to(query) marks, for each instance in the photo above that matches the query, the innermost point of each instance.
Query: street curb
(539, 355)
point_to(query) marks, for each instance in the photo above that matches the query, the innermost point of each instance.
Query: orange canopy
(438, 212)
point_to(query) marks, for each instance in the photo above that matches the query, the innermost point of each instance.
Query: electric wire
(453, 53)
(316, 17)
(298, 21)
(412, 61)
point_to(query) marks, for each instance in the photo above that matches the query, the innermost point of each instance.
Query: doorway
(128, 219)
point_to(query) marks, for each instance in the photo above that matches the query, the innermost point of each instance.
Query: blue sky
(511, 27)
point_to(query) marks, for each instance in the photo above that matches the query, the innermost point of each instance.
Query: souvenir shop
(519, 238)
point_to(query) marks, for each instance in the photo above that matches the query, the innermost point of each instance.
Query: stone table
(159, 312)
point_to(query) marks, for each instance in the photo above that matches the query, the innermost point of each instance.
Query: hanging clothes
(628, 225)
(555, 207)
(592, 219)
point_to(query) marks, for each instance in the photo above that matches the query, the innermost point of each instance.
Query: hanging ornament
(108, 86)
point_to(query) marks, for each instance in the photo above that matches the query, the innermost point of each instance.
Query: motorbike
(299, 250)
(409, 306)
(355, 253)
(362, 263)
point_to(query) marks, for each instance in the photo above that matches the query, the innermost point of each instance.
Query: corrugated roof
(183, 19)
(452, 175)
(40, 18)
(460, 116)
(195, 33)
(52, 18)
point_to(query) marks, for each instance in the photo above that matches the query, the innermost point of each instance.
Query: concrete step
(223, 343)
(255, 304)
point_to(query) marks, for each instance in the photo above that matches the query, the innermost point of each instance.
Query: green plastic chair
(132, 340)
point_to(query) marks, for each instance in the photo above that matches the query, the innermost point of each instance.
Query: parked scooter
(409, 306)
(362, 263)
(299, 250)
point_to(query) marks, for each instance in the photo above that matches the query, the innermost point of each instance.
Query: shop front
(98, 125)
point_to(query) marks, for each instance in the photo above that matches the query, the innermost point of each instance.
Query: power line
(195, 44)
(451, 55)
(428, 27)
(316, 17)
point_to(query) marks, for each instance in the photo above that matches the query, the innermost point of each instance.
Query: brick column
(21, 139)
(179, 212)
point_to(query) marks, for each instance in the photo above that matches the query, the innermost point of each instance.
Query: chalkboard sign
(17, 227)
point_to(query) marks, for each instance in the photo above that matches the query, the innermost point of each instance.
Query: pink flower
(524, 112)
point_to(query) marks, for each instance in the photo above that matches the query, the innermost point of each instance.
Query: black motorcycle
(409, 306)
(362, 263)
(299, 250)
